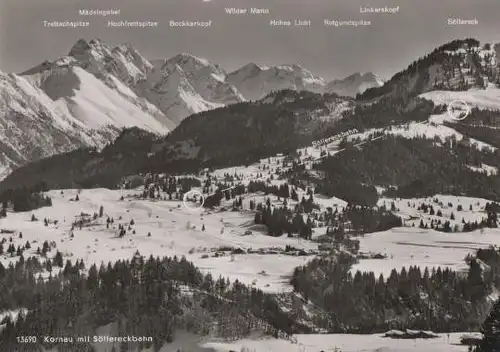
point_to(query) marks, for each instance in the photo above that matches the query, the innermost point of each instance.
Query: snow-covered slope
(434, 129)
(98, 58)
(82, 99)
(94, 74)
(94, 103)
(33, 126)
(174, 229)
(354, 84)
(185, 84)
(255, 82)
(207, 79)
(488, 98)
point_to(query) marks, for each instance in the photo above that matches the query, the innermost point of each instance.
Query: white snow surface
(344, 343)
(95, 105)
(413, 246)
(169, 236)
(407, 247)
(488, 98)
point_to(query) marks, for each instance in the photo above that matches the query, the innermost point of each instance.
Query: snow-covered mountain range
(87, 96)
(354, 84)
(255, 82)
(185, 84)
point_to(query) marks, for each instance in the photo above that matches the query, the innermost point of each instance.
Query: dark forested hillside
(144, 297)
(234, 135)
(412, 168)
(456, 65)
(414, 298)
(483, 125)
(86, 167)
(243, 133)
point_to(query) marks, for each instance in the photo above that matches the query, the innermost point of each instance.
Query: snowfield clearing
(407, 247)
(174, 230)
(414, 246)
(410, 246)
(463, 208)
(433, 129)
(344, 343)
(488, 98)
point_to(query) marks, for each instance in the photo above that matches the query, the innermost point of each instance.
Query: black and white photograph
(249, 176)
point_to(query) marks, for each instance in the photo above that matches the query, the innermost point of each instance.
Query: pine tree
(58, 260)
(45, 248)
(491, 331)
(257, 218)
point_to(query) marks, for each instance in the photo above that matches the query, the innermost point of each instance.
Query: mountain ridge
(158, 95)
(455, 66)
(354, 84)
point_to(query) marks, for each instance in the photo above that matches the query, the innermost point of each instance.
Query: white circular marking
(462, 107)
(186, 195)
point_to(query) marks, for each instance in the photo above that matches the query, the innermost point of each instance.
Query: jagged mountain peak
(249, 70)
(125, 47)
(352, 77)
(186, 58)
(252, 66)
(358, 76)
(82, 47)
(354, 84)
(122, 61)
(193, 66)
(256, 82)
(186, 84)
(291, 67)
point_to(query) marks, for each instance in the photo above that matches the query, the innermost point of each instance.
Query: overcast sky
(388, 45)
